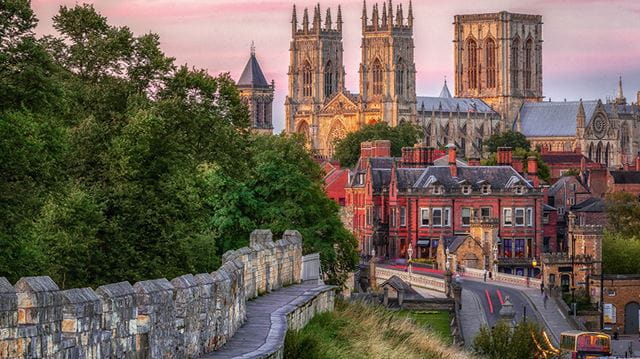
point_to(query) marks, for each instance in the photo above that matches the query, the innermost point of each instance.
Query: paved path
(472, 316)
(264, 325)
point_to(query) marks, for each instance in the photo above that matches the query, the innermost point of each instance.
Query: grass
(356, 330)
(437, 321)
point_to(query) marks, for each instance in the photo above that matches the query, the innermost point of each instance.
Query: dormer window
(519, 190)
(437, 189)
(466, 189)
(360, 178)
(486, 189)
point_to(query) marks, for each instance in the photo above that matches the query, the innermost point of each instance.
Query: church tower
(257, 93)
(387, 70)
(498, 58)
(316, 71)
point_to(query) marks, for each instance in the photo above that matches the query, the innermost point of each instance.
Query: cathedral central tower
(387, 70)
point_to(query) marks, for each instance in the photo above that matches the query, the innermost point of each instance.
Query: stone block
(260, 236)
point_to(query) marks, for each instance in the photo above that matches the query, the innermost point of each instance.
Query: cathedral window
(606, 154)
(307, 83)
(515, 62)
(490, 49)
(377, 78)
(599, 153)
(472, 59)
(528, 63)
(624, 139)
(328, 80)
(400, 78)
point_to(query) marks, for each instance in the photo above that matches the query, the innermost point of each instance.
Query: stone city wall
(183, 318)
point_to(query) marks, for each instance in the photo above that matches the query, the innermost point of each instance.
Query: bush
(523, 341)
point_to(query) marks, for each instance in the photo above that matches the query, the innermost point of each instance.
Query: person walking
(545, 299)
(484, 276)
(541, 288)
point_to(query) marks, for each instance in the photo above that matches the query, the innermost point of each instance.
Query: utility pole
(601, 296)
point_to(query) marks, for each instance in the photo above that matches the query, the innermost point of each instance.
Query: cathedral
(497, 86)
(257, 94)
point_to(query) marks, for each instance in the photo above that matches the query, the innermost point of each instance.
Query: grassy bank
(437, 321)
(357, 330)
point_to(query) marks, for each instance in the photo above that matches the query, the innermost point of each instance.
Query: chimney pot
(452, 161)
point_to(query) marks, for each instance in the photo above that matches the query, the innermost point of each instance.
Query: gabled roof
(453, 243)
(592, 204)
(562, 181)
(252, 75)
(445, 91)
(499, 177)
(454, 104)
(563, 157)
(553, 119)
(625, 177)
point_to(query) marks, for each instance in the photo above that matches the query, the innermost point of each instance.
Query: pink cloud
(194, 9)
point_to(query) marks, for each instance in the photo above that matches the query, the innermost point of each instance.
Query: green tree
(282, 190)
(543, 170)
(404, 135)
(511, 139)
(523, 341)
(623, 213)
(620, 254)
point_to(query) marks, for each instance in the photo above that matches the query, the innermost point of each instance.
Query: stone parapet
(186, 317)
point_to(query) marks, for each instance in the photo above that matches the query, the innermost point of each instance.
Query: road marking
(561, 314)
(486, 292)
(499, 296)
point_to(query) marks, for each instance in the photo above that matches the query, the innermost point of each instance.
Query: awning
(424, 242)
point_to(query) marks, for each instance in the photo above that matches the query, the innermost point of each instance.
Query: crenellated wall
(183, 318)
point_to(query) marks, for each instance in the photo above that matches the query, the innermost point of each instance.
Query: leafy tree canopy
(523, 341)
(511, 139)
(403, 135)
(623, 214)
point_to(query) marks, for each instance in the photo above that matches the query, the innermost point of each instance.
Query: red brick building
(623, 181)
(409, 201)
(335, 181)
(560, 163)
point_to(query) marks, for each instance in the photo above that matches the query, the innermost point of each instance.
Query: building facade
(498, 58)
(411, 201)
(257, 94)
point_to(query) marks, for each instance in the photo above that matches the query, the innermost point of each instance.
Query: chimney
(365, 150)
(504, 156)
(583, 165)
(517, 164)
(532, 170)
(381, 148)
(417, 156)
(407, 157)
(452, 160)
(431, 156)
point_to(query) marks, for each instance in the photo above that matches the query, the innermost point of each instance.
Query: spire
(316, 18)
(620, 95)
(390, 16)
(339, 21)
(364, 14)
(580, 117)
(253, 48)
(294, 20)
(305, 20)
(445, 90)
(399, 16)
(410, 17)
(384, 14)
(374, 16)
(327, 21)
(252, 76)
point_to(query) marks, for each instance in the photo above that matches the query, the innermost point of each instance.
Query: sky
(587, 43)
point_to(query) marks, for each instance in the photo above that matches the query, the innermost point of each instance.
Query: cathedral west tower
(316, 71)
(498, 58)
(387, 70)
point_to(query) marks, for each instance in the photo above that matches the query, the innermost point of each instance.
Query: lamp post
(410, 253)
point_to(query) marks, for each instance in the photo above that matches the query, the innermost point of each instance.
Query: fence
(503, 277)
(418, 280)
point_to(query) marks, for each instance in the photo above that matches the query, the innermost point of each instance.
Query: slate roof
(396, 283)
(625, 177)
(454, 104)
(407, 177)
(540, 119)
(563, 157)
(252, 75)
(546, 207)
(499, 177)
(453, 243)
(621, 109)
(589, 205)
(560, 185)
(445, 91)
(380, 178)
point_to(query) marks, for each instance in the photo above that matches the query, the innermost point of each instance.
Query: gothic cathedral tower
(257, 93)
(316, 71)
(498, 58)
(387, 70)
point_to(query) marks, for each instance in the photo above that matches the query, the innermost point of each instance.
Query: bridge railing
(504, 277)
(418, 280)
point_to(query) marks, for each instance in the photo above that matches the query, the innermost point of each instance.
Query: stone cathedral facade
(498, 86)
(318, 105)
(257, 94)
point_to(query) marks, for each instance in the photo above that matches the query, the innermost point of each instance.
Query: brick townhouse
(412, 201)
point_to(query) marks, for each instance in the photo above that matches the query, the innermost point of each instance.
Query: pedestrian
(546, 297)
(490, 275)
(484, 275)
(541, 288)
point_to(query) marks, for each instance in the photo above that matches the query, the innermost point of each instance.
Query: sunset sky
(587, 43)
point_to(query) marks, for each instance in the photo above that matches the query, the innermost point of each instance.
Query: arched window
(515, 62)
(400, 78)
(490, 53)
(624, 138)
(599, 153)
(336, 133)
(307, 81)
(606, 154)
(591, 151)
(472, 59)
(377, 77)
(328, 80)
(303, 129)
(528, 64)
